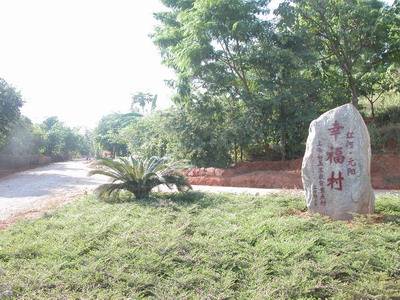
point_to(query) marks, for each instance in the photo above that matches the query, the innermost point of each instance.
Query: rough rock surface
(336, 165)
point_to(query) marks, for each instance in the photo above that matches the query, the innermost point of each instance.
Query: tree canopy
(107, 133)
(249, 81)
(10, 104)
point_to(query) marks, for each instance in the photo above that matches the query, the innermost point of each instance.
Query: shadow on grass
(391, 219)
(388, 212)
(183, 199)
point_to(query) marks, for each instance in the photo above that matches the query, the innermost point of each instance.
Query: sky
(80, 59)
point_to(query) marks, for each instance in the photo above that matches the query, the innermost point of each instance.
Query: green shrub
(385, 138)
(391, 136)
(138, 176)
(389, 115)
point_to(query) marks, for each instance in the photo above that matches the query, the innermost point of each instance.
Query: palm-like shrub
(138, 176)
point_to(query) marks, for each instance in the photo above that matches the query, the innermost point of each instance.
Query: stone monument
(336, 165)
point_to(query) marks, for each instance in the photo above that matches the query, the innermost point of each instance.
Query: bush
(389, 115)
(385, 138)
(391, 136)
(138, 176)
(264, 152)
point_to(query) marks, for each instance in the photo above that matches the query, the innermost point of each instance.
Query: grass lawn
(202, 246)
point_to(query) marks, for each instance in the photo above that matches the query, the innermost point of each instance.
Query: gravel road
(30, 192)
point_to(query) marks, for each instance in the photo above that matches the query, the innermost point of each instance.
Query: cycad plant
(138, 176)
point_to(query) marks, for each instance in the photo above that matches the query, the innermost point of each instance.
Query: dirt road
(30, 192)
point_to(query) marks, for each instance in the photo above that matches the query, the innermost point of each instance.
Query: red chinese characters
(351, 164)
(335, 155)
(322, 198)
(335, 129)
(338, 156)
(336, 182)
(349, 139)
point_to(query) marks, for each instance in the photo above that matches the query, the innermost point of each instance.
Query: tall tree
(10, 104)
(265, 79)
(228, 52)
(25, 138)
(108, 132)
(143, 103)
(61, 142)
(350, 35)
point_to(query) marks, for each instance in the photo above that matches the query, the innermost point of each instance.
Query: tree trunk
(142, 194)
(283, 145)
(354, 97)
(372, 110)
(235, 151)
(353, 88)
(283, 133)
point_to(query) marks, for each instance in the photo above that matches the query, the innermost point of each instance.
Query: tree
(107, 134)
(252, 82)
(61, 142)
(228, 56)
(350, 36)
(143, 103)
(150, 135)
(50, 122)
(24, 139)
(392, 18)
(374, 84)
(10, 104)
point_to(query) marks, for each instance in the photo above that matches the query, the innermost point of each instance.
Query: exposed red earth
(385, 172)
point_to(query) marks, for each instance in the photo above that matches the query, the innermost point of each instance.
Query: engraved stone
(336, 165)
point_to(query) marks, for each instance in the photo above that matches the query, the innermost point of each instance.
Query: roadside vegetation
(191, 246)
(138, 176)
(384, 127)
(21, 139)
(250, 80)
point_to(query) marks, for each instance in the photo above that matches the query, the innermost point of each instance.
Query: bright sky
(80, 59)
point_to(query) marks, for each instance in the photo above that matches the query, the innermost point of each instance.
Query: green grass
(198, 246)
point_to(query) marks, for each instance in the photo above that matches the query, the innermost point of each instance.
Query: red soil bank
(385, 171)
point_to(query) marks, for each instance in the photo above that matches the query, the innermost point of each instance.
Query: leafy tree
(246, 81)
(376, 83)
(228, 56)
(392, 18)
(10, 104)
(107, 133)
(25, 138)
(50, 122)
(143, 103)
(19, 137)
(61, 142)
(150, 135)
(87, 144)
(350, 36)
(209, 45)
(202, 136)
